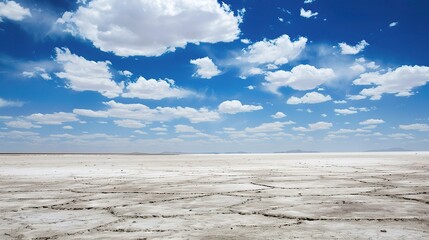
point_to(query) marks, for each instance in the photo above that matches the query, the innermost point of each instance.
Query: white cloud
(126, 73)
(19, 134)
(358, 68)
(37, 71)
(345, 111)
(272, 66)
(144, 113)
(206, 68)
(371, 121)
(159, 129)
(180, 128)
(154, 89)
(21, 124)
(314, 127)
(350, 110)
(45, 76)
(301, 77)
(309, 98)
(393, 24)
(346, 131)
(84, 75)
(400, 81)
(235, 106)
(268, 127)
(140, 132)
(370, 126)
(129, 123)
(280, 19)
(13, 11)
(416, 126)
(255, 71)
(250, 87)
(86, 137)
(352, 50)
(308, 1)
(307, 13)
(7, 103)
(340, 101)
(68, 127)
(245, 41)
(277, 51)
(57, 118)
(355, 97)
(152, 27)
(365, 64)
(401, 136)
(278, 115)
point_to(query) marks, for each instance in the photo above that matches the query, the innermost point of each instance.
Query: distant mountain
(161, 153)
(394, 149)
(299, 151)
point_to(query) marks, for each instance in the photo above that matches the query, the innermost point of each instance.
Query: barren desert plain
(223, 196)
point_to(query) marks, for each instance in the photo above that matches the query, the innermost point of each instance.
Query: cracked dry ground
(272, 196)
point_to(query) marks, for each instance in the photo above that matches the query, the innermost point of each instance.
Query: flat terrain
(254, 196)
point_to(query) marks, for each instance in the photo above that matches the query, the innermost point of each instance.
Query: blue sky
(210, 76)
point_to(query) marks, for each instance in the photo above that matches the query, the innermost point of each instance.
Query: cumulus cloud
(13, 11)
(278, 115)
(154, 89)
(152, 27)
(269, 127)
(57, 118)
(126, 73)
(277, 51)
(159, 129)
(235, 106)
(347, 130)
(401, 136)
(301, 77)
(350, 110)
(245, 41)
(21, 124)
(355, 97)
(393, 24)
(352, 50)
(144, 113)
(38, 71)
(422, 127)
(7, 103)
(129, 123)
(19, 134)
(314, 127)
(361, 65)
(205, 68)
(307, 13)
(371, 121)
(180, 128)
(400, 81)
(308, 1)
(345, 111)
(85, 75)
(309, 98)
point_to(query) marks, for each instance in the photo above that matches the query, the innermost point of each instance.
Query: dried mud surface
(242, 196)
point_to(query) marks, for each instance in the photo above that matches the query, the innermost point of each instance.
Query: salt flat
(243, 196)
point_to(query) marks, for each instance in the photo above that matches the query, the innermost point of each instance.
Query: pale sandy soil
(259, 196)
